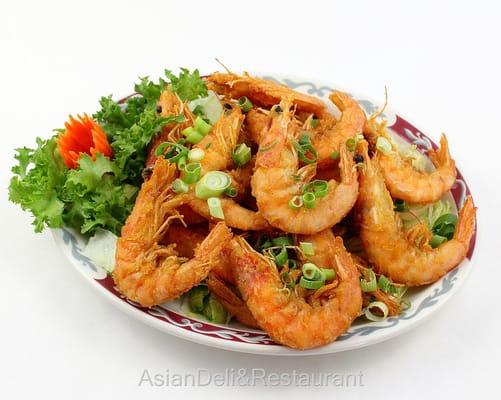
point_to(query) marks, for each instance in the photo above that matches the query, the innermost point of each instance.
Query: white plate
(173, 319)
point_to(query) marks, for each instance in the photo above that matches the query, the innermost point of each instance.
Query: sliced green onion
(296, 202)
(281, 257)
(282, 241)
(196, 298)
(174, 153)
(381, 307)
(304, 139)
(241, 155)
(196, 154)
(292, 264)
(214, 311)
(312, 272)
(385, 284)
(212, 184)
(446, 219)
(319, 187)
(307, 248)
(309, 200)
(192, 135)
(245, 104)
(383, 145)
(437, 240)
(335, 155)
(215, 207)
(231, 192)
(329, 274)
(191, 173)
(314, 122)
(306, 152)
(368, 282)
(312, 285)
(181, 163)
(351, 144)
(400, 205)
(201, 126)
(178, 186)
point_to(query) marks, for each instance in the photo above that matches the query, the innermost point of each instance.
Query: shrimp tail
(347, 166)
(442, 156)
(466, 222)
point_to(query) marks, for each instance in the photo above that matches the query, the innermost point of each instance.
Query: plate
(172, 318)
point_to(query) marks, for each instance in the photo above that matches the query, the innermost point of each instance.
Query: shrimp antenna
(224, 66)
(380, 111)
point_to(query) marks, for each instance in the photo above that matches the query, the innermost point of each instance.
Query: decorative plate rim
(231, 338)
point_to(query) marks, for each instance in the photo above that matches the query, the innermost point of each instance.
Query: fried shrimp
(288, 318)
(235, 215)
(276, 181)
(219, 143)
(169, 104)
(262, 92)
(329, 136)
(406, 182)
(148, 272)
(388, 247)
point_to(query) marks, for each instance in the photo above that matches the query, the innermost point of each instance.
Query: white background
(441, 63)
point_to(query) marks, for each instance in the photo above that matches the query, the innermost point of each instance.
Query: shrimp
(262, 92)
(235, 215)
(148, 272)
(257, 124)
(169, 104)
(403, 180)
(185, 239)
(276, 181)
(330, 134)
(288, 318)
(219, 143)
(389, 248)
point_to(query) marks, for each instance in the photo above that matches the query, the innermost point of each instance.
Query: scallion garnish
(314, 122)
(296, 202)
(212, 184)
(309, 200)
(292, 264)
(312, 285)
(379, 307)
(307, 248)
(245, 104)
(312, 272)
(319, 187)
(192, 135)
(329, 274)
(191, 172)
(305, 150)
(215, 207)
(383, 145)
(280, 257)
(241, 155)
(231, 192)
(173, 151)
(282, 241)
(178, 186)
(201, 126)
(181, 163)
(196, 154)
(368, 282)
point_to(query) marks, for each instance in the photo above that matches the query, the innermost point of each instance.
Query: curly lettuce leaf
(36, 189)
(188, 85)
